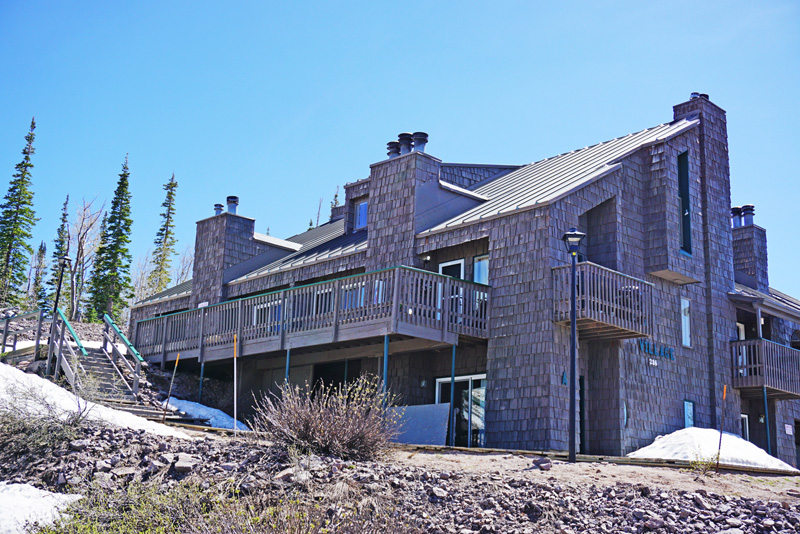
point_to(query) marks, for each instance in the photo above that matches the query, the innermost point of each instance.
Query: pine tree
(38, 293)
(111, 282)
(159, 277)
(60, 250)
(16, 223)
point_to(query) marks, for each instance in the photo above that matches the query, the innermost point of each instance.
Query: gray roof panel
(550, 179)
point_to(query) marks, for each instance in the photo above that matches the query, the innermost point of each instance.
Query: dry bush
(353, 421)
(189, 509)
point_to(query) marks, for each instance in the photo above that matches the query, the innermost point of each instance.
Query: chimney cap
(233, 200)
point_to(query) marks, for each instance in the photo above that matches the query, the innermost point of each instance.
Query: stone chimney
(750, 251)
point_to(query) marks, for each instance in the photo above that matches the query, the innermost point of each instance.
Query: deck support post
(452, 399)
(288, 357)
(345, 372)
(200, 387)
(766, 418)
(385, 385)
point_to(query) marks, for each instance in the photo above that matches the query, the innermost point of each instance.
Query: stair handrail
(62, 363)
(14, 318)
(110, 322)
(135, 370)
(72, 331)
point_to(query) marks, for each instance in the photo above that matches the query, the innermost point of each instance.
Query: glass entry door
(470, 401)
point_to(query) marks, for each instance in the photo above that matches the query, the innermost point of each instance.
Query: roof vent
(392, 149)
(748, 211)
(736, 217)
(232, 203)
(405, 143)
(217, 209)
(420, 140)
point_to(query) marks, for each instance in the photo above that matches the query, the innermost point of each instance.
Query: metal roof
(180, 290)
(550, 179)
(322, 243)
(774, 298)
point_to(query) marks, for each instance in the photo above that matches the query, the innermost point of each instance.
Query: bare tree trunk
(84, 239)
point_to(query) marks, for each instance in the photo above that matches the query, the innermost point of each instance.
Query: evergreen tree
(16, 222)
(111, 283)
(60, 250)
(159, 277)
(38, 294)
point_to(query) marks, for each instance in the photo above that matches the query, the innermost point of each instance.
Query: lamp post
(62, 261)
(572, 240)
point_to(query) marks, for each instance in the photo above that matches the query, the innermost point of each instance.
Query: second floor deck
(609, 304)
(400, 300)
(762, 366)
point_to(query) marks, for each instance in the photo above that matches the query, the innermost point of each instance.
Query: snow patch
(22, 503)
(216, 418)
(35, 390)
(693, 444)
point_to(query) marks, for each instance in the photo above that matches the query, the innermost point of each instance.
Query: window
(745, 419)
(684, 204)
(480, 269)
(361, 214)
(686, 322)
(688, 414)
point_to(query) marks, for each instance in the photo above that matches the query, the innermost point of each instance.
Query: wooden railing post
(283, 319)
(337, 285)
(240, 326)
(446, 304)
(60, 356)
(164, 344)
(5, 333)
(397, 278)
(201, 344)
(38, 334)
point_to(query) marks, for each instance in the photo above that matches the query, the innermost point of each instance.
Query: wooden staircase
(109, 375)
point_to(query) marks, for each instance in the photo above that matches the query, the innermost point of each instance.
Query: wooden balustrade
(376, 302)
(759, 363)
(609, 304)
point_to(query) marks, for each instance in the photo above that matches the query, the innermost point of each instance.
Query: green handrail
(72, 331)
(110, 322)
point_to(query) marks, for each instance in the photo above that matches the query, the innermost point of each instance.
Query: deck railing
(761, 362)
(396, 295)
(605, 296)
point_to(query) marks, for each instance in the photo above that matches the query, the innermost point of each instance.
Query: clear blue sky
(280, 102)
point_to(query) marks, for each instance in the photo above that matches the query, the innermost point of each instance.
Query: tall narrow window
(686, 322)
(683, 202)
(361, 215)
(480, 269)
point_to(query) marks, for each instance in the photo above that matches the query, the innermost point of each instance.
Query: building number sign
(653, 349)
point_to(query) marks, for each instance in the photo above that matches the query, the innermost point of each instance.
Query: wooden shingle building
(451, 278)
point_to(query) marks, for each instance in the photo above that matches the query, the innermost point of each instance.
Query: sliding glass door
(469, 400)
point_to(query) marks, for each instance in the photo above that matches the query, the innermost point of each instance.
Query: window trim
(686, 324)
(357, 205)
(475, 260)
(459, 261)
(684, 199)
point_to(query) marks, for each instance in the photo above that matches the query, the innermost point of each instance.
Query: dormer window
(361, 215)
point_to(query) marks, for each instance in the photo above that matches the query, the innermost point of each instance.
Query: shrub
(354, 421)
(187, 509)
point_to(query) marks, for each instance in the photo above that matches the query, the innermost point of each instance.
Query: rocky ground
(475, 493)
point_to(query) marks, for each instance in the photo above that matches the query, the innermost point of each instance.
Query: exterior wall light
(572, 240)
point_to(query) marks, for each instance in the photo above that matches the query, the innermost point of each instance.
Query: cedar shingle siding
(624, 194)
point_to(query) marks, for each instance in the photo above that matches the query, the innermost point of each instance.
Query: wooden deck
(401, 300)
(610, 305)
(761, 363)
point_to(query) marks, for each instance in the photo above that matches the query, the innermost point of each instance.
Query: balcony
(400, 301)
(610, 305)
(760, 364)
